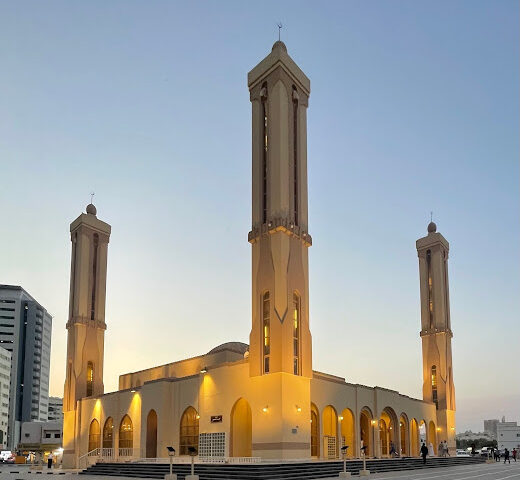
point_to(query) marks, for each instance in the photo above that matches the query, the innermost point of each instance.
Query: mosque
(263, 400)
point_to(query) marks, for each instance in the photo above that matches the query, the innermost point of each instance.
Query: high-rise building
(490, 427)
(55, 409)
(25, 331)
(5, 384)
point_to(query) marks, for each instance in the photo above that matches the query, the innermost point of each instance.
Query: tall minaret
(436, 331)
(86, 324)
(280, 340)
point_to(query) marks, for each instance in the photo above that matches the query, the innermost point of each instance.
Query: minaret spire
(86, 322)
(436, 333)
(280, 339)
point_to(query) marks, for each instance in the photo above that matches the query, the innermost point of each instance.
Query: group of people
(443, 450)
(507, 454)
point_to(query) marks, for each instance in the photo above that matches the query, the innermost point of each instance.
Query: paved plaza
(496, 471)
(482, 471)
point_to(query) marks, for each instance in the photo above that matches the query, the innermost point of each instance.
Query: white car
(462, 453)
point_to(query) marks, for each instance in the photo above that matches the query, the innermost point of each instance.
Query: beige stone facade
(263, 399)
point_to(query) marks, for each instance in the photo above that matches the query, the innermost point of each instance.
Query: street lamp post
(193, 452)
(344, 473)
(364, 472)
(171, 454)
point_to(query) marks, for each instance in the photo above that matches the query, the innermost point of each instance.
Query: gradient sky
(414, 107)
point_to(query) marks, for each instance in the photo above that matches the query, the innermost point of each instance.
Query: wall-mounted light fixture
(298, 409)
(373, 422)
(197, 416)
(265, 409)
(203, 369)
(133, 390)
(340, 418)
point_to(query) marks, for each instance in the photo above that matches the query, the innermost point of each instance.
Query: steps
(272, 471)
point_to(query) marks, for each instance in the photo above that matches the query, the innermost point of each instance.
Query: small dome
(91, 209)
(279, 44)
(432, 228)
(238, 347)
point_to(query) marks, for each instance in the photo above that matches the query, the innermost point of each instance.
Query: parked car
(463, 453)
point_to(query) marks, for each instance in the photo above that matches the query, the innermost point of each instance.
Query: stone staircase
(272, 471)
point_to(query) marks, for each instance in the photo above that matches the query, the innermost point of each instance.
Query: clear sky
(414, 107)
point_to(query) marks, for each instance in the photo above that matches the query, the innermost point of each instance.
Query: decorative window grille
(330, 446)
(212, 444)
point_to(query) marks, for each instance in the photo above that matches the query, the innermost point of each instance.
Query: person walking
(446, 449)
(392, 449)
(49, 460)
(424, 452)
(440, 449)
(497, 455)
(514, 454)
(506, 456)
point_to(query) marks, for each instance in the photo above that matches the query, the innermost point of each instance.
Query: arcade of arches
(383, 437)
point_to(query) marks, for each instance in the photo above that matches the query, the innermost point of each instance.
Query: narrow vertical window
(434, 386)
(295, 153)
(94, 278)
(263, 96)
(90, 379)
(430, 286)
(296, 333)
(266, 322)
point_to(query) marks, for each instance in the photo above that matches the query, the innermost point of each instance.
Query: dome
(432, 228)
(237, 347)
(91, 209)
(279, 44)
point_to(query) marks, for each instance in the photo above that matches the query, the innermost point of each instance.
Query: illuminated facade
(238, 400)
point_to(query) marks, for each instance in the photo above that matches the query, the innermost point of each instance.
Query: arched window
(295, 98)
(266, 327)
(430, 286)
(315, 431)
(90, 379)
(151, 435)
(189, 431)
(126, 433)
(263, 98)
(434, 386)
(296, 334)
(94, 278)
(108, 433)
(93, 435)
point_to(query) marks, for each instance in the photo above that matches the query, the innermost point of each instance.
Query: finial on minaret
(432, 228)
(91, 209)
(280, 26)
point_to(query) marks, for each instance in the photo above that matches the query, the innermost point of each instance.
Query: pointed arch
(90, 379)
(423, 432)
(366, 436)
(126, 434)
(348, 433)
(189, 431)
(151, 434)
(330, 431)
(315, 431)
(388, 433)
(108, 433)
(93, 435)
(414, 438)
(432, 436)
(241, 437)
(404, 435)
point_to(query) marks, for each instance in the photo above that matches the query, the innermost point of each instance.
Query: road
(482, 471)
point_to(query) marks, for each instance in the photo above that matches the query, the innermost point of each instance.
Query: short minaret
(86, 324)
(436, 331)
(280, 340)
